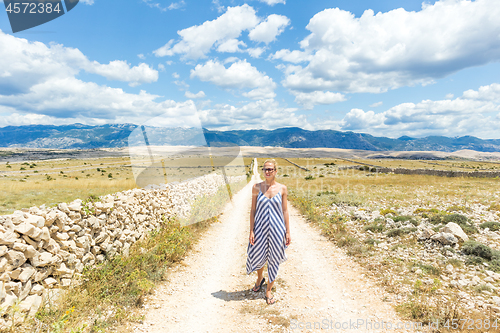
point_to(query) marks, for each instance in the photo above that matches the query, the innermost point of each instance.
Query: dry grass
(353, 187)
(55, 181)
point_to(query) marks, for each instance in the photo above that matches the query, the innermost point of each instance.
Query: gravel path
(210, 290)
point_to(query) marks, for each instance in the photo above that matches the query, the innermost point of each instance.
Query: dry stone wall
(45, 249)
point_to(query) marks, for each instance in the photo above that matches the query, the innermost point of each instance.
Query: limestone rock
(15, 258)
(445, 238)
(455, 230)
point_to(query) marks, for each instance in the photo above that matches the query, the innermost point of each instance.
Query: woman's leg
(270, 299)
(260, 273)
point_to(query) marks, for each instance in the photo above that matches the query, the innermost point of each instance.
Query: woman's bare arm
(255, 193)
(285, 214)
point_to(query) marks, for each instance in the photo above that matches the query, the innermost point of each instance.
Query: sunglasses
(268, 170)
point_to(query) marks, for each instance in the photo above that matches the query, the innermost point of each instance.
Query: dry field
(377, 219)
(34, 183)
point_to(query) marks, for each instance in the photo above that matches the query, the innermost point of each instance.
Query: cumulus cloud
(263, 114)
(255, 52)
(308, 100)
(157, 5)
(27, 63)
(240, 75)
(268, 30)
(199, 94)
(377, 52)
(273, 2)
(38, 83)
(476, 112)
(377, 104)
(198, 40)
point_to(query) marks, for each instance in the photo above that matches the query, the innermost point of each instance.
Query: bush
(473, 248)
(456, 208)
(404, 218)
(310, 177)
(493, 226)
(400, 232)
(388, 211)
(462, 221)
(374, 227)
(371, 241)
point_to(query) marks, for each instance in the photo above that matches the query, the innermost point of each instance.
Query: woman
(269, 229)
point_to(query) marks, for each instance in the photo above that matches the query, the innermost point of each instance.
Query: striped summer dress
(269, 231)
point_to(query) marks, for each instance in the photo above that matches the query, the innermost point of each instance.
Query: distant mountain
(79, 136)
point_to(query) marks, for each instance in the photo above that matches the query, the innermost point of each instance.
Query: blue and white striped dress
(269, 231)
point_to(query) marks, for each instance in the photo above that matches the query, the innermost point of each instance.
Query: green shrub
(473, 248)
(493, 226)
(462, 221)
(400, 231)
(456, 208)
(388, 211)
(374, 227)
(404, 218)
(371, 241)
(310, 177)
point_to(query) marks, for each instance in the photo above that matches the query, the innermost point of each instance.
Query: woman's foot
(257, 287)
(269, 298)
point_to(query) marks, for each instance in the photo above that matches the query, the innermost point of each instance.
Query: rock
(27, 272)
(9, 300)
(455, 230)
(449, 268)
(37, 221)
(37, 290)
(42, 274)
(63, 207)
(25, 290)
(15, 258)
(42, 259)
(49, 282)
(445, 238)
(3, 250)
(426, 234)
(52, 247)
(32, 303)
(8, 238)
(75, 206)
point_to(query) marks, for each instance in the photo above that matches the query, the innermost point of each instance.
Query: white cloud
(231, 45)
(121, 71)
(264, 114)
(476, 113)
(87, 2)
(70, 97)
(268, 30)
(198, 40)
(220, 8)
(308, 100)
(239, 75)
(255, 52)
(273, 2)
(449, 96)
(161, 67)
(27, 63)
(172, 6)
(377, 104)
(175, 75)
(375, 53)
(141, 56)
(199, 94)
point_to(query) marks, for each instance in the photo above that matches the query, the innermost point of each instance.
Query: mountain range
(79, 136)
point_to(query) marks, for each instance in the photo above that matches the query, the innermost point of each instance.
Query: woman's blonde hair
(273, 161)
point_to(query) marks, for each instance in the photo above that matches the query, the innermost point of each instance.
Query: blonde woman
(269, 229)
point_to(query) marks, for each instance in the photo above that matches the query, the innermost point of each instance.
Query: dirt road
(318, 285)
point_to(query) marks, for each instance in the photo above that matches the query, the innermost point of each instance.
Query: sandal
(260, 286)
(269, 300)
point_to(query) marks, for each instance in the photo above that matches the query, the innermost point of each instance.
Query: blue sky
(387, 68)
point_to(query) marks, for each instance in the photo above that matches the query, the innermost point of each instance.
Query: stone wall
(42, 249)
